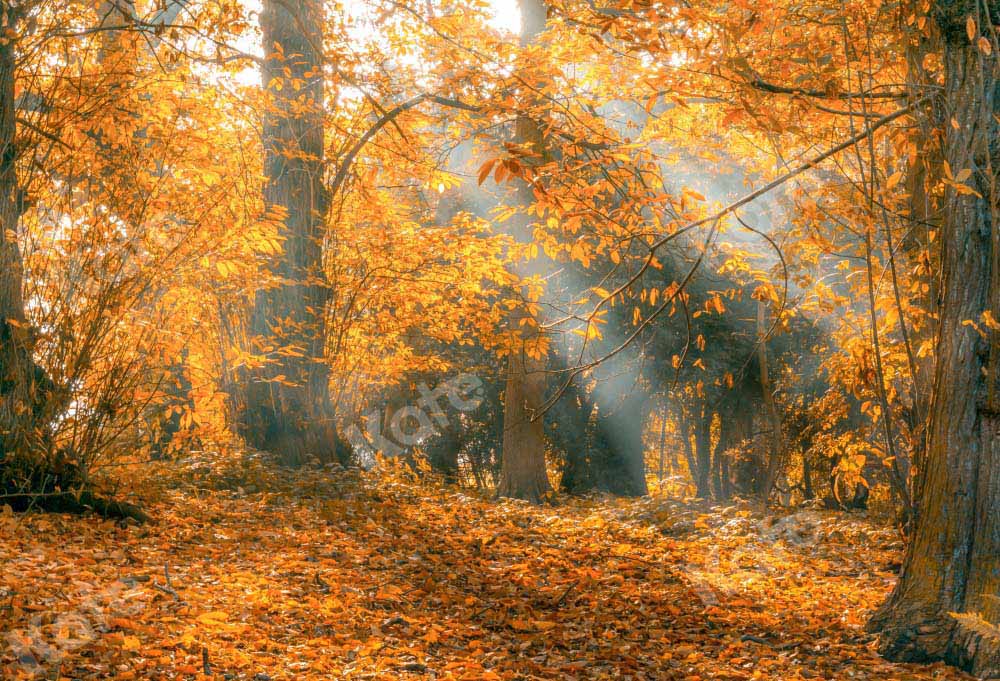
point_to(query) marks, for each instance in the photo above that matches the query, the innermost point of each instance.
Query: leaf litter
(386, 580)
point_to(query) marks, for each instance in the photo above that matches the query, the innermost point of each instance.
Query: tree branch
(712, 219)
(388, 117)
(756, 81)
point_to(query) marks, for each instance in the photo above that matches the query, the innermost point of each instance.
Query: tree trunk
(288, 409)
(661, 445)
(778, 454)
(721, 483)
(946, 605)
(808, 493)
(923, 176)
(17, 399)
(703, 453)
(685, 426)
(742, 466)
(523, 474)
(569, 423)
(748, 470)
(442, 454)
(27, 478)
(623, 464)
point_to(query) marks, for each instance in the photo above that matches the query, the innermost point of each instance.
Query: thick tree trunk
(28, 480)
(735, 426)
(18, 403)
(288, 409)
(947, 602)
(523, 474)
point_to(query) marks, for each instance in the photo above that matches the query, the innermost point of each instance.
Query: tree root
(975, 646)
(72, 502)
(966, 641)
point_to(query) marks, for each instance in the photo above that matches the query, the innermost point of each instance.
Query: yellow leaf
(213, 618)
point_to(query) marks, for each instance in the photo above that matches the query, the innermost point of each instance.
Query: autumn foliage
(317, 287)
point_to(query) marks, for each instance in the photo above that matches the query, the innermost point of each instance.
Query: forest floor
(357, 579)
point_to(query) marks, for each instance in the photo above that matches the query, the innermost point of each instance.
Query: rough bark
(523, 474)
(287, 407)
(14, 356)
(946, 605)
(24, 386)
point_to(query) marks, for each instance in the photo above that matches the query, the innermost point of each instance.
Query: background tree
(287, 407)
(523, 474)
